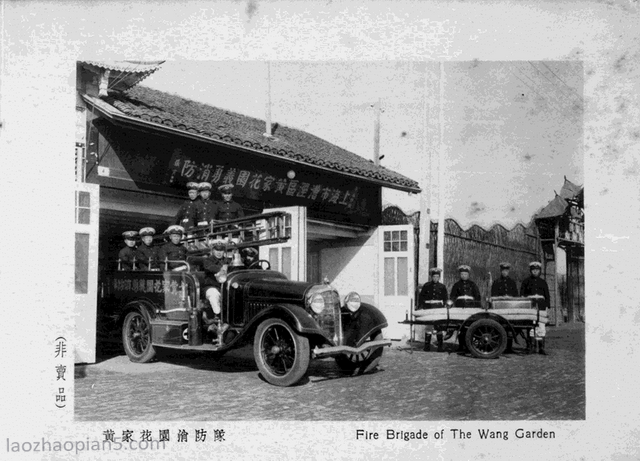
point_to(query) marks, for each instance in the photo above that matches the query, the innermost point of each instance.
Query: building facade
(136, 149)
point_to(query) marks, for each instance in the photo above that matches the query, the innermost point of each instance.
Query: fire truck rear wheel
(136, 337)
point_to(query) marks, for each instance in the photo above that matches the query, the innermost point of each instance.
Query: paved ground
(408, 386)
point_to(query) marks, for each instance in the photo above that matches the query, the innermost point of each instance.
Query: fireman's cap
(435, 270)
(218, 244)
(504, 265)
(130, 235)
(464, 268)
(147, 231)
(175, 229)
(535, 265)
(204, 186)
(226, 188)
(193, 185)
(250, 251)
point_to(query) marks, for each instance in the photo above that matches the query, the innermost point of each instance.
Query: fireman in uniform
(228, 209)
(249, 256)
(186, 216)
(129, 255)
(505, 285)
(432, 291)
(150, 252)
(174, 250)
(535, 285)
(464, 287)
(215, 274)
(206, 209)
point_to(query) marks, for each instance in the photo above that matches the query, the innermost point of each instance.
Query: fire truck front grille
(329, 319)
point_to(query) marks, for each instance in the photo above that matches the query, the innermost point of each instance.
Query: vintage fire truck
(289, 322)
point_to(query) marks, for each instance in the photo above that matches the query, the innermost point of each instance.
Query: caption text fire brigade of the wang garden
(457, 434)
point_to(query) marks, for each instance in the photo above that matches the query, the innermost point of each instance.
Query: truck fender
(358, 326)
(489, 315)
(299, 319)
(138, 304)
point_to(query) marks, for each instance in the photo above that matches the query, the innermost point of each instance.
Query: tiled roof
(223, 125)
(124, 74)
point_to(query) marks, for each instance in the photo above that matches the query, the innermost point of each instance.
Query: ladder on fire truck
(250, 231)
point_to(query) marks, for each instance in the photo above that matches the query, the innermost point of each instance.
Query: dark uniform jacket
(187, 214)
(504, 286)
(536, 286)
(432, 291)
(172, 252)
(227, 211)
(212, 266)
(126, 256)
(465, 287)
(149, 253)
(206, 210)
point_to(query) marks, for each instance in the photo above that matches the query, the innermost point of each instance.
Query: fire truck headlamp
(316, 303)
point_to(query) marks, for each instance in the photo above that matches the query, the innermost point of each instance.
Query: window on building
(82, 263)
(83, 207)
(395, 240)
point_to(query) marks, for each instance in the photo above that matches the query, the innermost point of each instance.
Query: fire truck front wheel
(136, 337)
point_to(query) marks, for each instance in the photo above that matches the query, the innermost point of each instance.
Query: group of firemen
(434, 294)
(198, 210)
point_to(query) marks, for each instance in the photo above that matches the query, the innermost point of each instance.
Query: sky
(510, 131)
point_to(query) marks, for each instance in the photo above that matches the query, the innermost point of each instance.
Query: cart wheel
(486, 339)
(281, 354)
(136, 337)
(359, 364)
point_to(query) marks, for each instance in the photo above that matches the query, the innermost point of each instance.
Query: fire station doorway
(86, 271)
(397, 287)
(290, 257)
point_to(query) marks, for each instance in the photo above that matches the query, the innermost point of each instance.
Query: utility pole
(441, 156)
(267, 117)
(376, 132)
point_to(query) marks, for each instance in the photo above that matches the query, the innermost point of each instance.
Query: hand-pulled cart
(486, 331)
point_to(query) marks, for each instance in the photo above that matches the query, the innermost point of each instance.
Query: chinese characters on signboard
(259, 185)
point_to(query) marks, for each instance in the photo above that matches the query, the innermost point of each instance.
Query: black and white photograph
(241, 228)
(330, 229)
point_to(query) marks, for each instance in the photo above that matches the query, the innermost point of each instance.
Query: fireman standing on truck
(535, 285)
(186, 216)
(150, 254)
(129, 255)
(206, 209)
(228, 209)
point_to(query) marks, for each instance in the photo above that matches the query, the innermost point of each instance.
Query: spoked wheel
(136, 337)
(486, 339)
(365, 362)
(281, 354)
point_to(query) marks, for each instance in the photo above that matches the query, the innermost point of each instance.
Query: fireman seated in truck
(249, 256)
(174, 250)
(129, 256)
(215, 274)
(150, 254)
